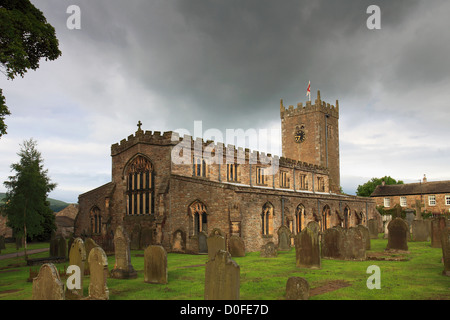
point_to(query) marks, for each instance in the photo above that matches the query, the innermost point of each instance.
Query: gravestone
(146, 238)
(297, 288)
(236, 246)
(354, 246)
(98, 264)
(437, 225)
(372, 224)
(202, 242)
(307, 247)
(445, 239)
(135, 237)
(269, 250)
(47, 285)
(222, 278)
(155, 265)
(89, 244)
(284, 238)
(62, 247)
(77, 256)
(122, 268)
(332, 240)
(178, 241)
(420, 230)
(215, 243)
(366, 235)
(398, 235)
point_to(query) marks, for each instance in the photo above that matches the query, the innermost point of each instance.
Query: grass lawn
(418, 278)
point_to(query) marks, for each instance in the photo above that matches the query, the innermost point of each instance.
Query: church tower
(310, 134)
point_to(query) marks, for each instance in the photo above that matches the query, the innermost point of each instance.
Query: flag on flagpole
(308, 91)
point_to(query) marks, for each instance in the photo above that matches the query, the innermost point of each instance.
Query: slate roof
(430, 187)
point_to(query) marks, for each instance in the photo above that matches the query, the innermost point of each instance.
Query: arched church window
(96, 220)
(326, 215)
(267, 219)
(299, 218)
(198, 218)
(140, 187)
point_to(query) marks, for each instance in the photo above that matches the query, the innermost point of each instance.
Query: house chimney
(383, 183)
(424, 178)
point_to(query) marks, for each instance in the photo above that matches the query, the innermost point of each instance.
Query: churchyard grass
(419, 277)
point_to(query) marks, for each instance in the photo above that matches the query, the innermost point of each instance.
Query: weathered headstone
(155, 265)
(178, 241)
(372, 224)
(445, 239)
(89, 244)
(98, 264)
(420, 230)
(354, 246)
(215, 243)
(202, 242)
(284, 238)
(122, 268)
(135, 237)
(437, 225)
(366, 235)
(307, 247)
(222, 278)
(47, 285)
(297, 288)
(332, 240)
(269, 250)
(146, 237)
(77, 256)
(398, 235)
(236, 246)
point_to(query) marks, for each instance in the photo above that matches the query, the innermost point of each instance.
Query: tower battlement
(318, 106)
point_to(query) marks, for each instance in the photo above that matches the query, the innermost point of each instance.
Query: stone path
(21, 253)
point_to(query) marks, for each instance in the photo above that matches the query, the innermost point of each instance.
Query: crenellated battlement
(319, 105)
(143, 137)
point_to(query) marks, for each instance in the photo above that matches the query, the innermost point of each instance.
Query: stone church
(176, 191)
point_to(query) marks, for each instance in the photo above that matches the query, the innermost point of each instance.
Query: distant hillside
(55, 205)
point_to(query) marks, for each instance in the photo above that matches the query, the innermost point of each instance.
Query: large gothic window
(326, 216)
(140, 187)
(300, 217)
(96, 220)
(198, 219)
(267, 219)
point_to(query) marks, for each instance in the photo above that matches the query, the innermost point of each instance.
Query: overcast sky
(228, 63)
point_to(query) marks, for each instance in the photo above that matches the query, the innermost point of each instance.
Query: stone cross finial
(139, 124)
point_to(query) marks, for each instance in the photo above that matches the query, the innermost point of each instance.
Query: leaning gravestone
(366, 235)
(445, 239)
(297, 288)
(98, 264)
(77, 256)
(437, 225)
(284, 238)
(47, 285)
(269, 250)
(307, 247)
(155, 265)
(236, 246)
(123, 268)
(222, 278)
(215, 243)
(398, 235)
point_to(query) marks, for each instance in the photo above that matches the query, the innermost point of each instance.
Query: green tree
(367, 188)
(26, 206)
(25, 38)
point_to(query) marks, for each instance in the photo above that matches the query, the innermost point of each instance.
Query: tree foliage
(26, 206)
(367, 188)
(25, 38)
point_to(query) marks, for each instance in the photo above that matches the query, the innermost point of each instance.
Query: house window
(199, 167)
(403, 201)
(303, 182)
(259, 175)
(284, 179)
(447, 200)
(232, 172)
(140, 193)
(387, 202)
(432, 200)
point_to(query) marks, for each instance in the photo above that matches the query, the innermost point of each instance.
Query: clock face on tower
(300, 136)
